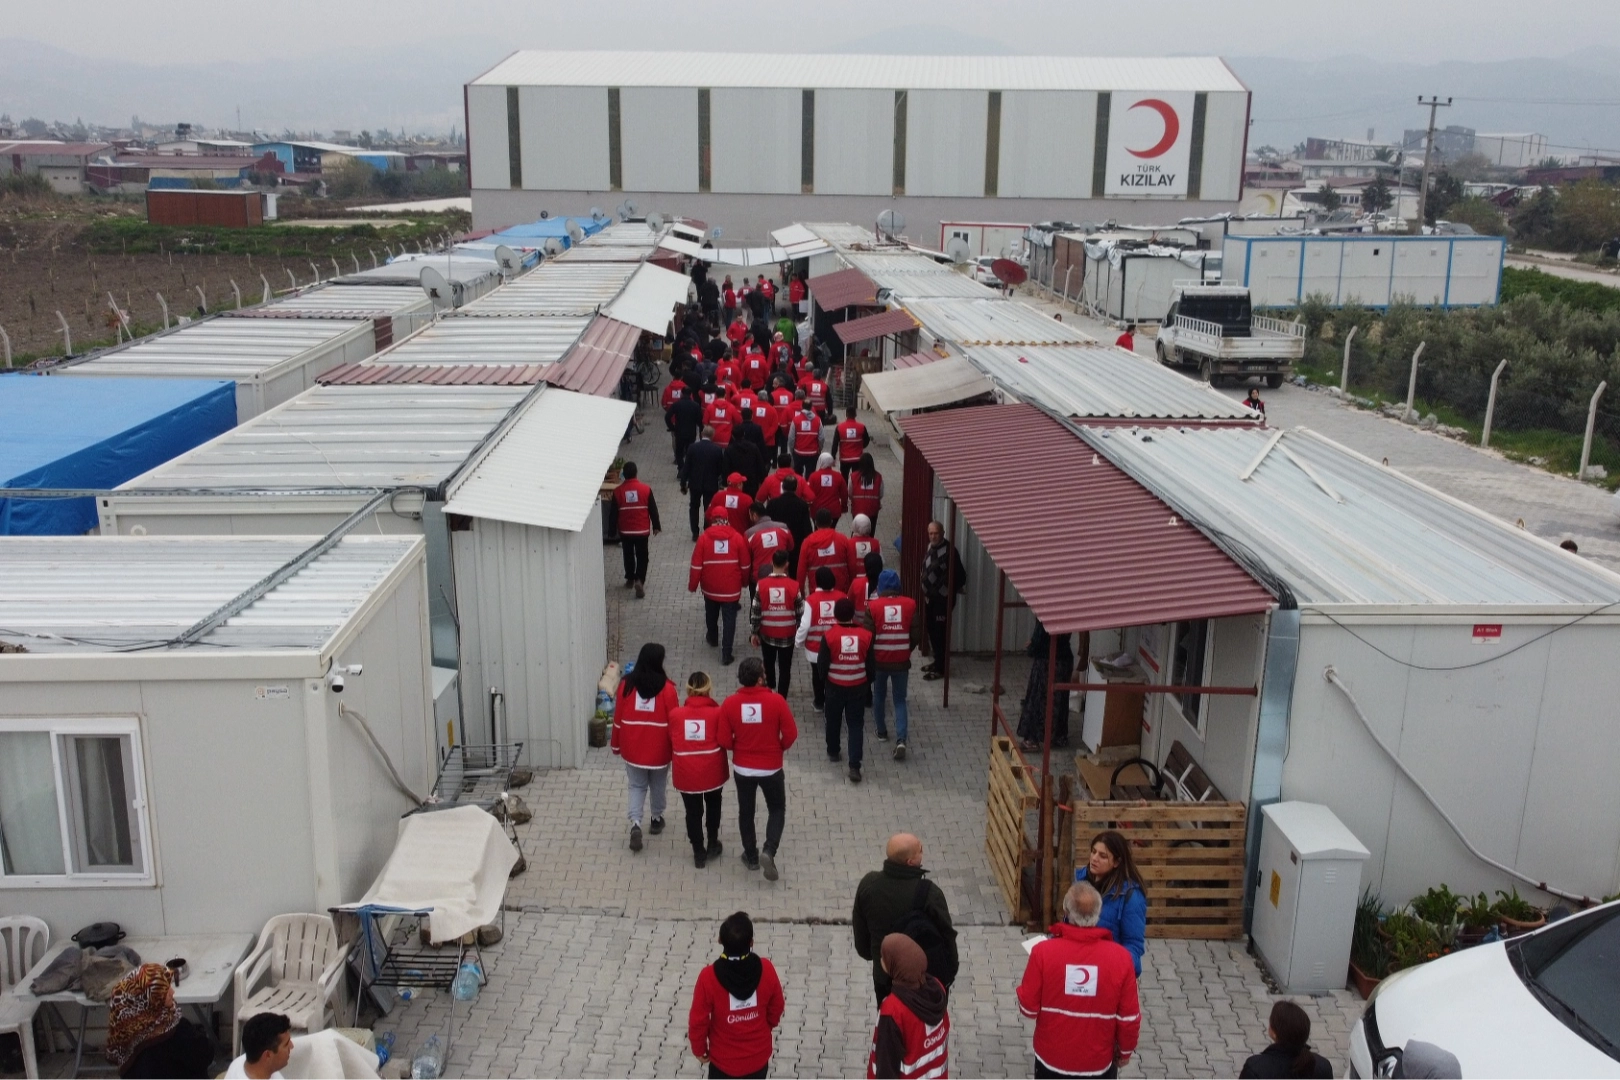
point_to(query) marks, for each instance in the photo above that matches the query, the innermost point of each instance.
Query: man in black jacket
(700, 474)
(684, 418)
(941, 569)
(743, 455)
(886, 897)
(792, 511)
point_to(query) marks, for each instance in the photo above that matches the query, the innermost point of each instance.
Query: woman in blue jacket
(1113, 873)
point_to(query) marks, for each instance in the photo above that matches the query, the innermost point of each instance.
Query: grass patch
(1579, 295)
(132, 236)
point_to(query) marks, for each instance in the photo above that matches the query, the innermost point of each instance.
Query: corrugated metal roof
(516, 339)
(900, 363)
(239, 349)
(1085, 545)
(840, 234)
(547, 469)
(857, 70)
(992, 322)
(842, 288)
(884, 323)
(1390, 541)
(926, 386)
(556, 288)
(407, 270)
(352, 436)
(903, 262)
(649, 298)
(606, 253)
(105, 593)
(1101, 380)
(435, 375)
(907, 274)
(383, 299)
(597, 361)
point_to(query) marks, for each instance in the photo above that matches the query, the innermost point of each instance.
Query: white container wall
(1439, 271)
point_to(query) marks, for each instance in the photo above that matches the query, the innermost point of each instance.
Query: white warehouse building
(749, 140)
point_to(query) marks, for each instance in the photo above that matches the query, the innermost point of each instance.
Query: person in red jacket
(819, 394)
(826, 547)
(827, 489)
(634, 513)
(1080, 989)
(913, 1034)
(866, 490)
(641, 735)
(757, 726)
(766, 536)
(781, 352)
(727, 370)
(764, 414)
(847, 667)
(721, 414)
(728, 300)
(736, 1005)
(1127, 340)
(772, 485)
(736, 329)
(774, 618)
(863, 588)
(852, 442)
(820, 613)
(721, 564)
(733, 502)
(698, 766)
(861, 541)
(767, 289)
(672, 392)
(796, 292)
(894, 634)
(805, 434)
(756, 369)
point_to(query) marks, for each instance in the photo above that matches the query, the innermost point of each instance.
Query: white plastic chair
(23, 940)
(296, 970)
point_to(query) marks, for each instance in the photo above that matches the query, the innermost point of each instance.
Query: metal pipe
(356, 259)
(336, 271)
(164, 304)
(373, 255)
(67, 334)
(202, 299)
(1066, 272)
(950, 607)
(291, 280)
(995, 674)
(1490, 405)
(1591, 423)
(1043, 868)
(1411, 382)
(315, 270)
(1149, 688)
(266, 281)
(5, 343)
(1344, 369)
(237, 291)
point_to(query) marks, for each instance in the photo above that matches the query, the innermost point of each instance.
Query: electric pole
(1433, 103)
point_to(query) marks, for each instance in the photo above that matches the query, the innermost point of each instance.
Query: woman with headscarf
(827, 489)
(641, 736)
(146, 1035)
(1032, 718)
(912, 1038)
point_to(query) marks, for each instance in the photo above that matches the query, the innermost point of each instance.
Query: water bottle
(464, 987)
(429, 1060)
(405, 993)
(385, 1048)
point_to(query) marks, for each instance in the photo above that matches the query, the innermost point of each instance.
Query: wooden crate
(1012, 796)
(1191, 856)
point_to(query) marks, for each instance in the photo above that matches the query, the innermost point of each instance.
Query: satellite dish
(890, 222)
(510, 263)
(437, 288)
(544, 214)
(626, 210)
(1008, 272)
(555, 246)
(958, 250)
(575, 233)
(597, 215)
(655, 221)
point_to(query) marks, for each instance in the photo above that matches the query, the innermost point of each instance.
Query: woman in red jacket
(699, 768)
(866, 490)
(913, 1032)
(641, 735)
(736, 1005)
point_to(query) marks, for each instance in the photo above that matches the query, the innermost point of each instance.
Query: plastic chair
(296, 969)
(23, 940)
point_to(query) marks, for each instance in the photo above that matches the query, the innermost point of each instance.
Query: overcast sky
(1414, 30)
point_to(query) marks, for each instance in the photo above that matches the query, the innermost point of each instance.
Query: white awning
(546, 470)
(928, 386)
(799, 242)
(648, 299)
(685, 247)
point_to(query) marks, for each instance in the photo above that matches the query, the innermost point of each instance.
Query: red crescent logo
(1172, 128)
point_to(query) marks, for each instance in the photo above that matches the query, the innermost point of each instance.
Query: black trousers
(818, 687)
(774, 788)
(716, 1074)
(778, 665)
(720, 621)
(681, 446)
(1042, 1072)
(635, 557)
(847, 467)
(805, 464)
(846, 708)
(697, 507)
(939, 615)
(697, 807)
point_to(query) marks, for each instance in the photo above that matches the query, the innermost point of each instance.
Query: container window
(1188, 651)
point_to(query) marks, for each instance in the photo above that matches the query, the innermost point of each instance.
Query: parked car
(1543, 1004)
(982, 272)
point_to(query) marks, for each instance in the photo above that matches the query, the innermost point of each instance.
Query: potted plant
(1438, 907)
(1516, 915)
(1412, 941)
(1369, 955)
(1478, 917)
(615, 470)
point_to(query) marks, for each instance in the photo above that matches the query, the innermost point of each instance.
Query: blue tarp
(544, 230)
(96, 433)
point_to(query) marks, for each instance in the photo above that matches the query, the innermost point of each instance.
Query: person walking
(827, 547)
(774, 617)
(1111, 870)
(733, 502)
(721, 416)
(634, 513)
(766, 536)
(1032, 715)
(728, 300)
(941, 569)
(863, 589)
(847, 668)
(736, 1004)
(866, 490)
(1080, 990)
(792, 511)
(641, 736)
(1290, 1053)
(683, 416)
(861, 541)
(820, 612)
(900, 897)
(894, 622)
(720, 564)
(772, 486)
(698, 766)
(852, 442)
(746, 455)
(827, 489)
(806, 436)
(699, 475)
(757, 727)
(764, 414)
(913, 1033)
(1127, 340)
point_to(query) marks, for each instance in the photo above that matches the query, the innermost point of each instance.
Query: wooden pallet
(1012, 796)
(1191, 857)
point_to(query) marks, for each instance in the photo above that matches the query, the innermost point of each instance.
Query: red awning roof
(841, 289)
(1084, 544)
(434, 375)
(597, 360)
(867, 327)
(916, 359)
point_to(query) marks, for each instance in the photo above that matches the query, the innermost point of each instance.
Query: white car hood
(1473, 1004)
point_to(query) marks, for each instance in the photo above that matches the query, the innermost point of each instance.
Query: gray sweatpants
(640, 781)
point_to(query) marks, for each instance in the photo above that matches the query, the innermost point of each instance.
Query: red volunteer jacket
(764, 541)
(698, 764)
(777, 604)
(720, 563)
(781, 354)
(735, 1035)
(771, 486)
(818, 609)
(757, 726)
(721, 415)
(847, 651)
(828, 492)
(796, 291)
(892, 618)
(865, 498)
(738, 329)
(641, 725)
(755, 370)
(860, 547)
(726, 371)
(632, 499)
(829, 548)
(1080, 989)
(786, 406)
(815, 391)
(747, 397)
(806, 433)
(768, 289)
(735, 503)
(672, 393)
(852, 440)
(924, 1053)
(728, 298)
(861, 594)
(765, 417)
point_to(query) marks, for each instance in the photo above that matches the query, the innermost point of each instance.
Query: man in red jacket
(721, 564)
(827, 489)
(635, 515)
(805, 433)
(847, 668)
(1080, 989)
(772, 486)
(852, 442)
(830, 548)
(757, 726)
(721, 415)
(736, 1005)
(733, 502)
(766, 536)
(774, 617)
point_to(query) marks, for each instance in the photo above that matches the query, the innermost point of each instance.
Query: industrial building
(748, 140)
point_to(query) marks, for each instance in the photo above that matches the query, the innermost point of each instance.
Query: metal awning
(927, 386)
(799, 242)
(867, 327)
(649, 298)
(916, 359)
(597, 361)
(1085, 545)
(841, 289)
(434, 375)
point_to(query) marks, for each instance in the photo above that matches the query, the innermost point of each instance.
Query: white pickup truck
(1214, 329)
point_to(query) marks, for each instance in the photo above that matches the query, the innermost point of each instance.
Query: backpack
(916, 925)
